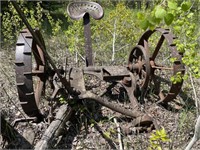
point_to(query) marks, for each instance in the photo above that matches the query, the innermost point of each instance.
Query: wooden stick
(55, 127)
(119, 135)
(196, 136)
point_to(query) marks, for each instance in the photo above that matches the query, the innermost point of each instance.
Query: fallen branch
(55, 127)
(196, 136)
(195, 95)
(119, 135)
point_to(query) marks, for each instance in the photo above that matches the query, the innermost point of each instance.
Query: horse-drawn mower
(146, 70)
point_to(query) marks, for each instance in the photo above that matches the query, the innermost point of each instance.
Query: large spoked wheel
(31, 73)
(165, 62)
(138, 64)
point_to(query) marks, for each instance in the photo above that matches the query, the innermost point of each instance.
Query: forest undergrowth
(102, 128)
(98, 129)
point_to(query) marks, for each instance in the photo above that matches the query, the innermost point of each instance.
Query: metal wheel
(165, 62)
(138, 64)
(31, 73)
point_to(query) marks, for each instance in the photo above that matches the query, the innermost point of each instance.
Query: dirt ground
(97, 129)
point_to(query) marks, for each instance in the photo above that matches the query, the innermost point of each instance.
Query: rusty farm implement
(146, 68)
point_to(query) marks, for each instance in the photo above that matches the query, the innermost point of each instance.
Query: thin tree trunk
(196, 136)
(113, 43)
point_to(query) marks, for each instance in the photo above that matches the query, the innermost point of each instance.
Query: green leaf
(151, 26)
(160, 12)
(154, 137)
(144, 24)
(158, 133)
(172, 5)
(163, 132)
(185, 77)
(172, 79)
(196, 70)
(169, 18)
(177, 28)
(107, 135)
(165, 139)
(185, 6)
(159, 148)
(153, 20)
(173, 59)
(140, 15)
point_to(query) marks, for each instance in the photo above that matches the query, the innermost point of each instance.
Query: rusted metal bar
(158, 46)
(107, 73)
(85, 9)
(88, 43)
(112, 106)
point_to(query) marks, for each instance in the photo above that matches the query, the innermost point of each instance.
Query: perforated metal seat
(76, 10)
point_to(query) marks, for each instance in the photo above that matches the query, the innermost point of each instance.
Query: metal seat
(77, 10)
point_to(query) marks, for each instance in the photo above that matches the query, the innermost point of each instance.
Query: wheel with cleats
(31, 73)
(165, 63)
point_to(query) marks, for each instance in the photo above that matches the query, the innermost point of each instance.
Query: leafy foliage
(111, 36)
(177, 78)
(74, 35)
(12, 23)
(181, 19)
(157, 139)
(117, 31)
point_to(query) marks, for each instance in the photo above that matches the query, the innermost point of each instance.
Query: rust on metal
(138, 63)
(78, 10)
(34, 67)
(24, 77)
(88, 43)
(107, 73)
(177, 64)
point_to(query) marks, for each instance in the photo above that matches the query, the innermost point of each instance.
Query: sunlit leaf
(159, 148)
(162, 131)
(177, 28)
(169, 18)
(160, 12)
(196, 70)
(172, 5)
(144, 24)
(140, 15)
(107, 134)
(185, 6)
(153, 20)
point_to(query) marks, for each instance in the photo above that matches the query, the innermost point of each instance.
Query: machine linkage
(145, 69)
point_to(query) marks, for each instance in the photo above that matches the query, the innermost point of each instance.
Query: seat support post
(87, 36)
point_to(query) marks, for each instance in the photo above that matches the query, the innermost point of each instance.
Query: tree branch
(196, 136)
(55, 127)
